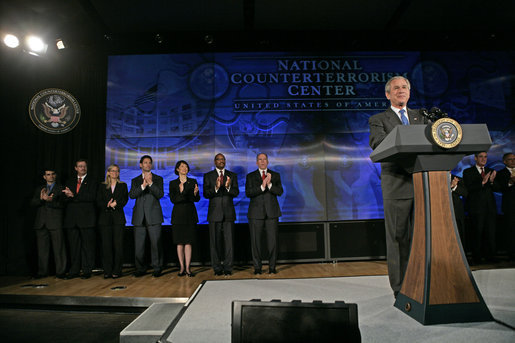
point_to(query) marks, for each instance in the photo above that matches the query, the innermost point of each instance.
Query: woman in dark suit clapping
(184, 193)
(112, 196)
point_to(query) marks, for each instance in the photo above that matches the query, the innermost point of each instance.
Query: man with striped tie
(396, 183)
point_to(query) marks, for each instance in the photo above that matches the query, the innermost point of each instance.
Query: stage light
(60, 44)
(36, 45)
(11, 41)
(159, 38)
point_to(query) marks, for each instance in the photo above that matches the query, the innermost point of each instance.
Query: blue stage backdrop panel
(308, 112)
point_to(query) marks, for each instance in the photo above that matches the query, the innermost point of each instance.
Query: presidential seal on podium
(446, 133)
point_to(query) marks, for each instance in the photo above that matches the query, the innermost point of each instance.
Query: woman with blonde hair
(111, 198)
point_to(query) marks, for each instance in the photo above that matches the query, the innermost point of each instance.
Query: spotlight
(159, 39)
(60, 44)
(209, 39)
(36, 45)
(11, 41)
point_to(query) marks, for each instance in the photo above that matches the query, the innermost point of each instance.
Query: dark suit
(184, 212)
(112, 223)
(221, 216)
(397, 187)
(508, 207)
(263, 213)
(80, 221)
(482, 211)
(49, 227)
(147, 215)
(459, 210)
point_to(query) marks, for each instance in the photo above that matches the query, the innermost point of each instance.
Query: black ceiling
(132, 25)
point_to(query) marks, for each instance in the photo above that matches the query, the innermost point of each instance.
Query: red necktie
(221, 175)
(263, 176)
(78, 184)
(482, 172)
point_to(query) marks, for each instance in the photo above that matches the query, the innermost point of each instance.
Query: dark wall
(27, 149)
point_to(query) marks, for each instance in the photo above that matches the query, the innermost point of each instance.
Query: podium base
(443, 313)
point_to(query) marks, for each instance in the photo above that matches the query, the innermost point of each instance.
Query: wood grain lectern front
(438, 286)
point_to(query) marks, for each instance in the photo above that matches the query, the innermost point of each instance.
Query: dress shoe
(257, 271)
(190, 274)
(157, 273)
(60, 276)
(227, 273)
(272, 271)
(218, 272)
(183, 273)
(85, 276)
(139, 273)
(71, 276)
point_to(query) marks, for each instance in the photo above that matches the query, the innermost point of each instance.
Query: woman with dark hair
(184, 193)
(112, 196)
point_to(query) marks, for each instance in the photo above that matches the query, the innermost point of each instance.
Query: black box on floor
(276, 321)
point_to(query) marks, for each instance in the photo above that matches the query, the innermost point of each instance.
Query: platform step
(151, 324)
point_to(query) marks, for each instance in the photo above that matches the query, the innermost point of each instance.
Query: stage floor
(172, 286)
(208, 316)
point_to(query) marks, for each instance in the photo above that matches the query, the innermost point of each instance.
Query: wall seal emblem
(54, 111)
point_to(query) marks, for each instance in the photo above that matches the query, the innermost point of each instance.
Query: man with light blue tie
(396, 183)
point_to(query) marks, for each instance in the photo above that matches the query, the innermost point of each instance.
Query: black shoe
(227, 273)
(190, 274)
(85, 276)
(71, 276)
(157, 273)
(257, 271)
(272, 271)
(139, 273)
(181, 274)
(218, 273)
(107, 276)
(61, 276)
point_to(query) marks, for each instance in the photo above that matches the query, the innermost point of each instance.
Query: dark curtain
(27, 149)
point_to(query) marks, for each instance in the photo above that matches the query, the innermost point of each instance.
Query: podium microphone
(425, 114)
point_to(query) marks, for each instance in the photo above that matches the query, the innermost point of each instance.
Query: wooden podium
(438, 286)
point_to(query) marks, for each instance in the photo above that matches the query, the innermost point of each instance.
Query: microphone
(424, 113)
(437, 113)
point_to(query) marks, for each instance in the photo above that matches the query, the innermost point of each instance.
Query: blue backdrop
(309, 113)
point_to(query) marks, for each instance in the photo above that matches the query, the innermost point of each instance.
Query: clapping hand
(67, 192)
(228, 182)
(195, 191)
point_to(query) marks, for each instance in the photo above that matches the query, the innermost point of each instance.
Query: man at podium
(396, 183)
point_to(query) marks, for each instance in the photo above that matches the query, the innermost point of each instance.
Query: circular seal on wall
(446, 133)
(54, 111)
(209, 81)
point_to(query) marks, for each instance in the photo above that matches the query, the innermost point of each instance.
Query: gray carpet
(208, 317)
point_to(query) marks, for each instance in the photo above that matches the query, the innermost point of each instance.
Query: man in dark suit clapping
(80, 220)
(479, 181)
(505, 182)
(221, 187)
(263, 186)
(49, 200)
(147, 216)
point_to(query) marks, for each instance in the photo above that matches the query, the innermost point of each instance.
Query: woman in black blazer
(112, 196)
(184, 193)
